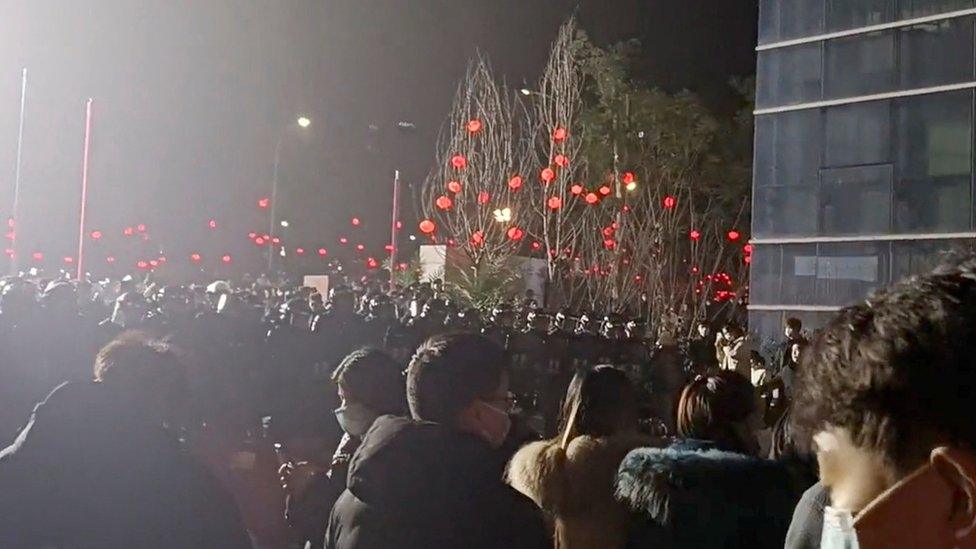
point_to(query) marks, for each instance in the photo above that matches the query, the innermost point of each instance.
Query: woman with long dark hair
(571, 476)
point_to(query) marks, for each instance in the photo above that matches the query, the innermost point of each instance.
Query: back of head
(449, 372)
(716, 407)
(600, 402)
(371, 377)
(136, 364)
(898, 371)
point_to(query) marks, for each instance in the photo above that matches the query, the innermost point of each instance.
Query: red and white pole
(84, 189)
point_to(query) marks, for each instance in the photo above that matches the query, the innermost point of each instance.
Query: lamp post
(303, 122)
(14, 224)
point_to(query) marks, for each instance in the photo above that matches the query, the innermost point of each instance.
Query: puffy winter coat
(575, 487)
(693, 495)
(415, 484)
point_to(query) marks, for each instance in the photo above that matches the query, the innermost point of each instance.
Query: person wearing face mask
(885, 392)
(370, 385)
(433, 479)
(708, 490)
(571, 476)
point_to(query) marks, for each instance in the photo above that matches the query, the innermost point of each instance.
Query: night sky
(191, 96)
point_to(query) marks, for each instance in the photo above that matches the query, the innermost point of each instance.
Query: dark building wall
(863, 167)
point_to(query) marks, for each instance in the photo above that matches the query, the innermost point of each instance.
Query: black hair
(898, 371)
(372, 377)
(449, 372)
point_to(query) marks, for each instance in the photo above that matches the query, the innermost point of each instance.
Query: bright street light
(304, 121)
(284, 224)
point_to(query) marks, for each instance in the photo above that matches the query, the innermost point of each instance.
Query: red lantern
(252, 236)
(474, 125)
(605, 191)
(323, 252)
(68, 259)
(128, 231)
(554, 203)
(427, 226)
(110, 259)
(515, 183)
(299, 251)
(576, 189)
(478, 238)
(733, 235)
(561, 160)
(694, 234)
(443, 202)
(142, 265)
(37, 256)
(152, 263)
(212, 224)
(360, 247)
(356, 222)
(263, 203)
(454, 186)
(628, 178)
(399, 225)
(747, 248)
(459, 161)
(547, 175)
(515, 233)
(141, 228)
(483, 197)
(402, 266)
(371, 263)
(609, 244)
(275, 240)
(96, 235)
(259, 241)
(343, 240)
(608, 231)
(389, 248)
(195, 257)
(669, 202)
(559, 134)
(592, 198)
(227, 259)
(536, 245)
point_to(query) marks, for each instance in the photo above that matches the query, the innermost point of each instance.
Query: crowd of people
(259, 415)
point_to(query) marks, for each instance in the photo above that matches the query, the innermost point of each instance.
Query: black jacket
(420, 485)
(692, 495)
(87, 472)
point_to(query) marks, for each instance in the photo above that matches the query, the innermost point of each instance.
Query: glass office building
(863, 167)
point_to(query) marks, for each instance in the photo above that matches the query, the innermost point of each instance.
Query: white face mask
(496, 430)
(355, 419)
(838, 530)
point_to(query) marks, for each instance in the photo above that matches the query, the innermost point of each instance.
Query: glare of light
(413, 237)
(304, 121)
(503, 215)
(525, 91)
(632, 186)
(284, 224)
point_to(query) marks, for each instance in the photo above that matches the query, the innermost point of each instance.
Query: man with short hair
(793, 331)
(886, 391)
(97, 466)
(734, 350)
(434, 480)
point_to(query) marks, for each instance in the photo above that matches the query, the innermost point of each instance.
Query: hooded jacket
(693, 495)
(416, 484)
(575, 487)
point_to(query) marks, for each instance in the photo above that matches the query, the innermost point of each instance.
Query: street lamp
(284, 224)
(303, 122)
